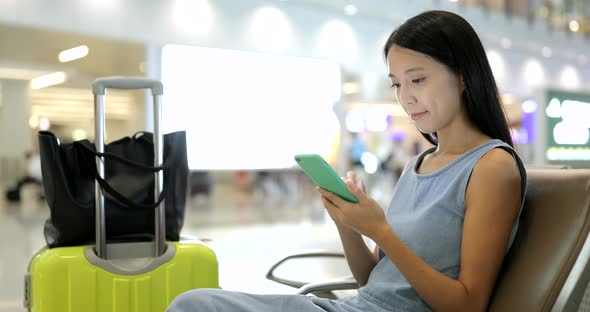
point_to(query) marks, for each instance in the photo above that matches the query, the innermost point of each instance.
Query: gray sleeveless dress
(426, 212)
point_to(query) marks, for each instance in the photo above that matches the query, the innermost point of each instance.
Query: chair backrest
(547, 267)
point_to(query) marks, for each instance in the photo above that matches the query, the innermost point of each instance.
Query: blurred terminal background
(254, 82)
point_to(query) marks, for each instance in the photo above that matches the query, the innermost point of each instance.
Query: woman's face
(427, 90)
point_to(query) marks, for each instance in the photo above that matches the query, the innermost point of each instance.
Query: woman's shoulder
(498, 164)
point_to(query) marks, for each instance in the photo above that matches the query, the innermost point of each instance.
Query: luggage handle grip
(126, 83)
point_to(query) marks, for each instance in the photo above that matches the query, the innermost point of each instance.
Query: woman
(454, 212)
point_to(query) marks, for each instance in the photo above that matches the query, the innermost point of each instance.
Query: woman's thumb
(361, 185)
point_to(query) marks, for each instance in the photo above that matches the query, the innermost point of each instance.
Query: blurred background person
(356, 150)
(31, 175)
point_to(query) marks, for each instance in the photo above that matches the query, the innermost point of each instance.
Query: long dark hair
(450, 40)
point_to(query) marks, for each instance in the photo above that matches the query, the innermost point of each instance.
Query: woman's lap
(218, 300)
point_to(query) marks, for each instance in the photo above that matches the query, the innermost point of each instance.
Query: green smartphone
(322, 174)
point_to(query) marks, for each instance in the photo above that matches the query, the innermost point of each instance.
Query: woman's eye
(418, 81)
(395, 85)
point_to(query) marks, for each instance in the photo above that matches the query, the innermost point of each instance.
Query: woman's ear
(460, 83)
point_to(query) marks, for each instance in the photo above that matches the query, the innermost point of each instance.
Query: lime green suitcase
(120, 277)
(71, 279)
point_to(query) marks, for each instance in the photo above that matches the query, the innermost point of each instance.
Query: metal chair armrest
(328, 286)
(297, 284)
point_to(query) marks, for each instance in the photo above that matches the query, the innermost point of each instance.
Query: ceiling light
(33, 122)
(534, 74)
(20, 73)
(497, 64)
(194, 16)
(48, 80)
(350, 10)
(271, 30)
(569, 77)
(44, 123)
(529, 106)
(73, 54)
(338, 41)
(574, 25)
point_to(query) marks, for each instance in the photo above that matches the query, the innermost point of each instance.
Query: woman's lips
(417, 116)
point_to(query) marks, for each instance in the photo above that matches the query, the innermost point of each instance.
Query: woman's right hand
(365, 217)
(357, 181)
(350, 175)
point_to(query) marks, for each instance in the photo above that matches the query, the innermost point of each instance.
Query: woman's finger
(355, 189)
(351, 175)
(332, 210)
(360, 184)
(335, 199)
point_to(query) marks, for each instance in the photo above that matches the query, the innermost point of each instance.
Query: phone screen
(324, 176)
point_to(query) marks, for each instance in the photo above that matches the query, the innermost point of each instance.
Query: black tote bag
(69, 175)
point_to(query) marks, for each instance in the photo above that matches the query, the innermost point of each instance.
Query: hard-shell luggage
(128, 276)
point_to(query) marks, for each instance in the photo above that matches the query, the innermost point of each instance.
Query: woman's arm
(359, 257)
(492, 200)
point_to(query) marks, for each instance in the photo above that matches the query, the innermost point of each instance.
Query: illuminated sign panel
(568, 126)
(245, 110)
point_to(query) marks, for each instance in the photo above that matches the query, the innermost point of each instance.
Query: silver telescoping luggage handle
(99, 90)
(126, 83)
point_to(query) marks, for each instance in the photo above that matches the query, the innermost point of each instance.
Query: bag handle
(87, 146)
(109, 189)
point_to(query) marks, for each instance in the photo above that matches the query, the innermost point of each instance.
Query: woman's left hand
(366, 217)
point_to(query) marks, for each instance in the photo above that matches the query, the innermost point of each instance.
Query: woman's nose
(405, 96)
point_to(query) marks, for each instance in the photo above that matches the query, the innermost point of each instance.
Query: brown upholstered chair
(547, 268)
